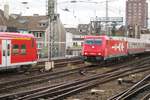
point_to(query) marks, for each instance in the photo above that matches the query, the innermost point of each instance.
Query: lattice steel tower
(51, 8)
(51, 13)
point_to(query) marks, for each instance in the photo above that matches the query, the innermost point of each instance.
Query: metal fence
(57, 50)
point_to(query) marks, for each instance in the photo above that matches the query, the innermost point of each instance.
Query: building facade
(73, 44)
(137, 13)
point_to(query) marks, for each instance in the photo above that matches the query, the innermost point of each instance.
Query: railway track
(62, 90)
(64, 61)
(59, 64)
(146, 97)
(139, 91)
(23, 82)
(10, 85)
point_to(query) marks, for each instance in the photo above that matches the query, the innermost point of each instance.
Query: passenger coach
(17, 50)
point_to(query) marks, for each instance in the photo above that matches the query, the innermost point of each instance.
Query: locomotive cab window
(23, 49)
(89, 41)
(93, 41)
(15, 49)
(97, 41)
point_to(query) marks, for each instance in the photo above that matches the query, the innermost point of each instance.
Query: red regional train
(17, 50)
(103, 47)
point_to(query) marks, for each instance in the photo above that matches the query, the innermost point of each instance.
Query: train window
(23, 49)
(4, 53)
(93, 41)
(89, 41)
(8, 51)
(15, 49)
(98, 41)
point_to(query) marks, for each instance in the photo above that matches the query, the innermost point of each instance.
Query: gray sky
(82, 12)
(79, 12)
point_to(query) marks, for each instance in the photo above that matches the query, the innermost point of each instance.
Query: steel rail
(41, 78)
(2, 84)
(146, 97)
(131, 89)
(21, 82)
(134, 63)
(90, 85)
(96, 77)
(135, 92)
(25, 92)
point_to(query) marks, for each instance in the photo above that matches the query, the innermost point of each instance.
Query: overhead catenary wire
(96, 8)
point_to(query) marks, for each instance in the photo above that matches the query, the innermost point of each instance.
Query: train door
(6, 52)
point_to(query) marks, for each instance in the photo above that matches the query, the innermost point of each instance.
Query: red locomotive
(17, 50)
(104, 47)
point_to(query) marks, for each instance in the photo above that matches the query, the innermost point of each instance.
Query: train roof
(139, 40)
(91, 36)
(11, 35)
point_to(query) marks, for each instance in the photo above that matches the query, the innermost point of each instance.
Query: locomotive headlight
(85, 53)
(99, 53)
